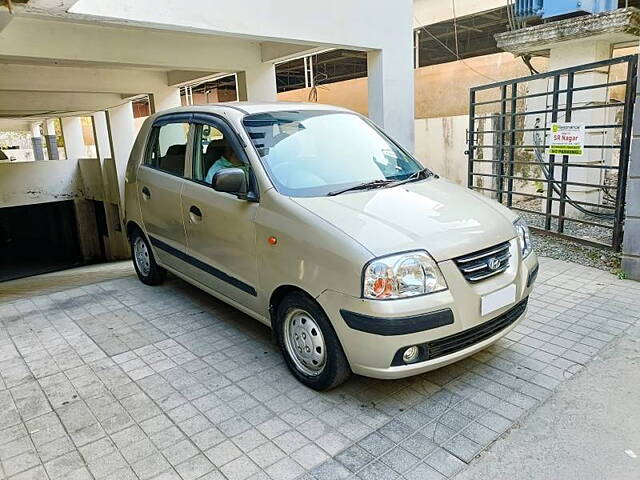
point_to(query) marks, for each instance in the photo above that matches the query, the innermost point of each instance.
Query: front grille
(484, 263)
(459, 341)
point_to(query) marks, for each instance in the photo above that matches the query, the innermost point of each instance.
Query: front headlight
(402, 275)
(524, 236)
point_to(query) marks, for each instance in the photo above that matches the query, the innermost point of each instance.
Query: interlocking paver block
(378, 470)
(223, 453)
(242, 467)
(150, 466)
(195, 467)
(180, 452)
(423, 472)
(444, 462)
(166, 380)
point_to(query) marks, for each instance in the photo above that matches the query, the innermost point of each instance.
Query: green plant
(618, 272)
(539, 186)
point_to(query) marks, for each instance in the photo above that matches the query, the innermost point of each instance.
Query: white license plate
(496, 300)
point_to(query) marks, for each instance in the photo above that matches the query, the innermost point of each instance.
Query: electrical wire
(422, 27)
(539, 154)
(455, 26)
(454, 53)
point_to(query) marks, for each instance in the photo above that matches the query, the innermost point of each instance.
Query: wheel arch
(278, 295)
(131, 226)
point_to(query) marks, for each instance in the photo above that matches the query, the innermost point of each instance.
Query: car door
(160, 182)
(220, 227)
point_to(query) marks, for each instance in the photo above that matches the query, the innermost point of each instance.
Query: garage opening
(38, 239)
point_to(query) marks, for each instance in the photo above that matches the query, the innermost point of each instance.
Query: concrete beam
(14, 125)
(279, 52)
(24, 104)
(353, 23)
(46, 78)
(178, 78)
(615, 26)
(30, 39)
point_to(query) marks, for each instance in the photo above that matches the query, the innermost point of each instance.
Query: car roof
(249, 108)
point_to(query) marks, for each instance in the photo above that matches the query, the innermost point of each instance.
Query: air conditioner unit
(545, 9)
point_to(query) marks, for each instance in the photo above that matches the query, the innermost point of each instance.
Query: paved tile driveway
(122, 381)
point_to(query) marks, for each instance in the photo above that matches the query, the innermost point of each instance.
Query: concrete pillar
(116, 247)
(391, 90)
(87, 230)
(631, 242)
(51, 139)
(101, 135)
(73, 140)
(258, 84)
(36, 141)
(121, 137)
(160, 100)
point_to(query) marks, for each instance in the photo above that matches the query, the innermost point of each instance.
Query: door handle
(195, 214)
(146, 193)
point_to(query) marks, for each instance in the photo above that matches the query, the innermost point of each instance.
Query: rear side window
(167, 148)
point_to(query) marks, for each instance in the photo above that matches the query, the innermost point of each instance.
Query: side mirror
(231, 180)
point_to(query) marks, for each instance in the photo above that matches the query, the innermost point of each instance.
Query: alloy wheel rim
(304, 342)
(141, 255)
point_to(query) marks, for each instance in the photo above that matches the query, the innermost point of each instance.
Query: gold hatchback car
(313, 221)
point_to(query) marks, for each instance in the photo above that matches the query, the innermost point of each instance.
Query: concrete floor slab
(590, 429)
(120, 380)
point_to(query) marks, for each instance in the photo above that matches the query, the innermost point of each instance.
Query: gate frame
(624, 146)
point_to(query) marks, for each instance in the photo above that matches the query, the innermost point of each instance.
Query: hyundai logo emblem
(493, 264)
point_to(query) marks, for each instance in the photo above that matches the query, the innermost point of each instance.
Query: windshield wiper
(419, 175)
(362, 186)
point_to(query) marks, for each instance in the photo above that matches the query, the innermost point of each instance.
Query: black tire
(155, 274)
(336, 367)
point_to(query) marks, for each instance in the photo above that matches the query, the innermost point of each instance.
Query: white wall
(28, 183)
(440, 146)
(18, 155)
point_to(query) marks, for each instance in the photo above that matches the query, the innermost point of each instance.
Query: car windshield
(313, 153)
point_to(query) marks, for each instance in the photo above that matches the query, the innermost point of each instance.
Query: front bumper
(371, 340)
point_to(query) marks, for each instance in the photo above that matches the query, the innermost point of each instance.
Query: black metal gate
(581, 198)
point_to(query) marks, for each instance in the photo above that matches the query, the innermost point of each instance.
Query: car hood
(443, 218)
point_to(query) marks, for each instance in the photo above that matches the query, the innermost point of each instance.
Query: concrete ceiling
(53, 62)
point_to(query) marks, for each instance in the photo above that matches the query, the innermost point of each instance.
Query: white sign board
(567, 139)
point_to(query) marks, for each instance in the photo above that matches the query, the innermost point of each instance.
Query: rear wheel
(309, 343)
(149, 272)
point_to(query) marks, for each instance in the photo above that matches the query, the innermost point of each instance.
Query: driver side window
(212, 152)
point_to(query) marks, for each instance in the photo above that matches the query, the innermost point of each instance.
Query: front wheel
(149, 272)
(309, 344)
